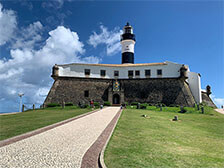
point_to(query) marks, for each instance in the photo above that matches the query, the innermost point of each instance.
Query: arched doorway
(116, 99)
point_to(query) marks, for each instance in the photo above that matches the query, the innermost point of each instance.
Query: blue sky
(34, 35)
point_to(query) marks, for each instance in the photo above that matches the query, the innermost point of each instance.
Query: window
(147, 72)
(137, 73)
(87, 71)
(103, 72)
(159, 71)
(86, 93)
(130, 73)
(116, 73)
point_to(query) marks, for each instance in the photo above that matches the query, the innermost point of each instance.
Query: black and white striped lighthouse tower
(128, 44)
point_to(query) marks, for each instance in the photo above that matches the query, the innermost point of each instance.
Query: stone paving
(220, 111)
(63, 146)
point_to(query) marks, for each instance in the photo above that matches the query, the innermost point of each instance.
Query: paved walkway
(220, 111)
(63, 146)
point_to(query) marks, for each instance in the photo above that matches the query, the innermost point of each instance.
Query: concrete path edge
(40, 130)
(101, 156)
(220, 111)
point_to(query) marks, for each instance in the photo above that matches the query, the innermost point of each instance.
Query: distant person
(91, 103)
(101, 106)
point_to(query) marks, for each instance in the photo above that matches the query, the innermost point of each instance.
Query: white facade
(194, 81)
(169, 70)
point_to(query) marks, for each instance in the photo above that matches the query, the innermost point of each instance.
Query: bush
(107, 103)
(150, 104)
(85, 106)
(182, 110)
(134, 103)
(53, 105)
(69, 104)
(96, 104)
(143, 106)
(172, 105)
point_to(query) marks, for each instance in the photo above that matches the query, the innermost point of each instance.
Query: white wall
(194, 81)
(77, 70)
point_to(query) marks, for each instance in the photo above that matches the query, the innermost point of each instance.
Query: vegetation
(53, 105)
(134, 103)
(196, 140)
(69, 104)
(16, 124)
(96, 104)
(107, 103)
(143, 106)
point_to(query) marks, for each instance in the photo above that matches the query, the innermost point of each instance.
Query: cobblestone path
(63, 146)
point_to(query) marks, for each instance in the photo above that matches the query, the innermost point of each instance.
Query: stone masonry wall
(207, 100)
(168, 91)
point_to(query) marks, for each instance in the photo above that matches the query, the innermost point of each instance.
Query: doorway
(116, 99)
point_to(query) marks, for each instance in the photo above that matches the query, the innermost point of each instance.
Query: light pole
(20, 104)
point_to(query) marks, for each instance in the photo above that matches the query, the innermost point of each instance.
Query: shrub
(53, 105)
(107, 103)
(134, 103)
(85, 106)
(172, 105)
(150, 104)
(182, 110)
(143, 106)
(69, 104)
(96, 104)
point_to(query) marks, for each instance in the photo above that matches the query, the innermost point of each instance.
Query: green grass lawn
(16, 124)
(197, 140)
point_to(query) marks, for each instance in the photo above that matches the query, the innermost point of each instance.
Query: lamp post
(20, 104)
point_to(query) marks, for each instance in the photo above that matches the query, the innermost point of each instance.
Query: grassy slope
(16, 124)
(195, 141)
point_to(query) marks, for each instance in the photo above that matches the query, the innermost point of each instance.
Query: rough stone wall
(168, 91)
(72, 90)
(207, 100)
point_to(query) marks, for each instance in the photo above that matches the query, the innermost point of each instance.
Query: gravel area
(63, 146)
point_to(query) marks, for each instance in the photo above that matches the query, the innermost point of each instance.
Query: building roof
(118, 65)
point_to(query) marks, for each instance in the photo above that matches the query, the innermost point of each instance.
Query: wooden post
(33, 106)
(23, 107)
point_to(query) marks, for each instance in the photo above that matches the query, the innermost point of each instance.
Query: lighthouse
(128, 44)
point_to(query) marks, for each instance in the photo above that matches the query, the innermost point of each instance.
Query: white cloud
(28, 37)
(218, 101)
(29, 70)
(110, 38)
(7, 24)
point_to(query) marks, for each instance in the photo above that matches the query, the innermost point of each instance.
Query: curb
(43, 129)
(101, 155)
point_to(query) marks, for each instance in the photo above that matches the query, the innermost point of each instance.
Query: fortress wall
(195, 86)
(207, 100)
(167, 91)
(72, 90)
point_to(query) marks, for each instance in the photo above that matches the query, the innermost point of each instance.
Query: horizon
(38, 34)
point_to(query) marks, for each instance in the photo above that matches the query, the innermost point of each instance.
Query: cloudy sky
(35, 35)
